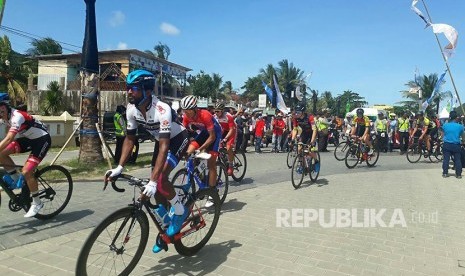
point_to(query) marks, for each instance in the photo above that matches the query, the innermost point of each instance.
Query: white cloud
(117, 18)
(169, 29)
(122, 46)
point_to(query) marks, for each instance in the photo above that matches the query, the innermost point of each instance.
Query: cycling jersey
(24, 125)
(307, 124)
(158, 121)
(226, 121)
(361, 124)
(202, 123)
(426, 122)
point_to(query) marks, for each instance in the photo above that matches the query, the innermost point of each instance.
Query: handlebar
(132, 181)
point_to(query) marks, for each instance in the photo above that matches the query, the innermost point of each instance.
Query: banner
(435, 91)
(418, 12)
(451, 34)
(262, 100)
(279, 98)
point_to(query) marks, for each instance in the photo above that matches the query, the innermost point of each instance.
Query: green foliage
(205, 85)
(426, 84)
(44, 46)
(13, 72)
(52, 103)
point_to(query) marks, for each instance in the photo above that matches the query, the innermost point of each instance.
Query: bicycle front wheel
(116, 244)
(315, 164)
(239, 166)
(222, 182)
(291, 156)
(414, 153)
(298, 171)
(340, 151)
(353, 156)
(55, 190)
(373, 158)
(201, 222)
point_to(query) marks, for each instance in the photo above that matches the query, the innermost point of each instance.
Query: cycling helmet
(4, 98)
(360, 111)
(189, 102)
(219, 106)
(300, 108)
(349, 115)
(141, 78)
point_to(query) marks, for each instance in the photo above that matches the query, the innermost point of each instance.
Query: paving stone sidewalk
(247, 240)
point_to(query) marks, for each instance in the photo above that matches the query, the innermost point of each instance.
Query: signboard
(262, 100)
(202, 102)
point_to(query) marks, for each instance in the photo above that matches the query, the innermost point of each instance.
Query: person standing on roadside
(453, 131)
(120, 130)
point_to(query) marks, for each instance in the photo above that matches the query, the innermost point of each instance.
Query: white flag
(279, 98)
(298, 94)
(418, 12)
(451, 35)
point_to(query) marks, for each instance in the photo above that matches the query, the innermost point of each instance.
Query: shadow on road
(245, 181)
(320, 182)
(205, 262)
(232, 206)
(36, 225)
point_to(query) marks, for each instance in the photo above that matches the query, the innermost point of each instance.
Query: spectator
(392, 131)
(259, 132)
(322, 125)
(278, 130)
(120, 130)
(403, 126)
(240, 120)
(453, 131)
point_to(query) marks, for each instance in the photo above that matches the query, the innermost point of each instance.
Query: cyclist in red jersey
(228, 125)
(208, 134)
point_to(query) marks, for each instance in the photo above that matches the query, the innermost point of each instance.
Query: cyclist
(428, 129)
(361, 129)
(32, 136)
(228, 125)
(207, 137)
(348, 124)
(157, 118)
(307, 123)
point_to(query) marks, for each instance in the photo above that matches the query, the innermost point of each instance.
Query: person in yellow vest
(120, 130)
(381, 126)
(403, 124)
(322, 125)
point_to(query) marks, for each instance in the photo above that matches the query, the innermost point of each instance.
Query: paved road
(247, 240)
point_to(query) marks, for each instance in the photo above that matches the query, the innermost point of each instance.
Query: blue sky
(369, 47)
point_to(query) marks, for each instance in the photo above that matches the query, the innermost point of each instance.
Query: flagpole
(445, 59)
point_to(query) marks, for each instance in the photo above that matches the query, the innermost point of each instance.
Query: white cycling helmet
(189, 102)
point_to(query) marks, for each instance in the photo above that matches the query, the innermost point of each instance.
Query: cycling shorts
(38, 147)
(231, 142)
(360, 131)
(202, 137)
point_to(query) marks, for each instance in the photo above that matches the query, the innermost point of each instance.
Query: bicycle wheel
(116, 244)
(373, 158)
(291, 156)
(55, 190)
(200, 224)
(297, 173)
(340, 151)
(222, 182)
(315, 165)
(438, 152)
(353, 155)
(414, 153)
(239, 166)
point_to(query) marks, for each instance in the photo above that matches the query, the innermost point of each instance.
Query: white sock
(176, 203)
(35, 198)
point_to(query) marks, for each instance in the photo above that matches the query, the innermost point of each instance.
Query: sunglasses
(133, 88)
(217, 111)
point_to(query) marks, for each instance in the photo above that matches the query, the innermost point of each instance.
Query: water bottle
(203, 168)
(20, 182)
(9, 180)
(162, 216)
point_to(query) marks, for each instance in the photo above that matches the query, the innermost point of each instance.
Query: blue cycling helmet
(4, 98)
(143, 80)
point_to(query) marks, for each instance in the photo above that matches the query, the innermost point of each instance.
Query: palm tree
(267, 74)
(289, 77)
(13, 72)
(53, 102)
(217, 81)
(426, 84)
(44, 46)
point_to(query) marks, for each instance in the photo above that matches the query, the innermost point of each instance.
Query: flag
(279, 98)
(451, 35)
(435, 91)
(418, 12)
(298, 94)
(268, 91)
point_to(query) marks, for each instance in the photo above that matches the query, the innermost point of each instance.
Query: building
(114, 66)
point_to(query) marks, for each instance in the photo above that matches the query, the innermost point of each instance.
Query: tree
(253, 87)
(289, 78)
(44, 46)
(353, 99)
(52, 104)
(13, 72)
(426, 84)
(204, 85)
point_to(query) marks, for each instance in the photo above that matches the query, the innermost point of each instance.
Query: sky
(372, 47)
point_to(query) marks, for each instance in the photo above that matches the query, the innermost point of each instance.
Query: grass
(81, 170)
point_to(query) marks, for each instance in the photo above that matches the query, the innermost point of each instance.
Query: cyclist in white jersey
(25, 134)
(159, 120)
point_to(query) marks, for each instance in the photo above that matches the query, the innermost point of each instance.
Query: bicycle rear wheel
(314, 166)
(239, 166)
(298, 170)
(55, 190)
(414, 153)
(222, 182)
(340, 151)
(373, 158)
(116, 244)
(353, 155)
(200, 224)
